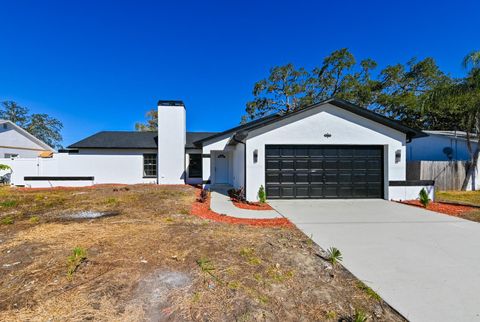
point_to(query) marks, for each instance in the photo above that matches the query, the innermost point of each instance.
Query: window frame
(198, 173)
(146, 157)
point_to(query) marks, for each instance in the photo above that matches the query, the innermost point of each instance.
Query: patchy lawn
(467, 198)
(147, 258)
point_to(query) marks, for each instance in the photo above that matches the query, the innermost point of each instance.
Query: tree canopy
(151, 123)
(44, 127)
(397, 91)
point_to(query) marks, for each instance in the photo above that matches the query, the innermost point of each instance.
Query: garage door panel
(316, 171)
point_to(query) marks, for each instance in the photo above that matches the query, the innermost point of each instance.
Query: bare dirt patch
(155, 261)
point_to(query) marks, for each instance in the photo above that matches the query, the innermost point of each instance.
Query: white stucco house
(440, 146)
(332, 149)
(16, 142)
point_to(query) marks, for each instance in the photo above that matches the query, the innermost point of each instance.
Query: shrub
(4, 167)
(203, 196)
(262, 196)
(423, 196)
(237, 194)
(334, 255)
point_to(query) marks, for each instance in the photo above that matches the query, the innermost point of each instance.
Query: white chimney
(171, 142)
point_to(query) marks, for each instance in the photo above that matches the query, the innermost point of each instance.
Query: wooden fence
(448, 175)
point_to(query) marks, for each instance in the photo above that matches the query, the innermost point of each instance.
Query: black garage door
(324, 171)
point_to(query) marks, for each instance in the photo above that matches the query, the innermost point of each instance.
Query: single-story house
(440, 146)
(16, 142)
(332, 149)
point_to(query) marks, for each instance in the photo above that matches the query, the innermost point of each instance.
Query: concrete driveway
(426, 265)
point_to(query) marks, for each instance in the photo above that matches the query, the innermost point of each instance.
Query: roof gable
(26, 134)
(410, 132)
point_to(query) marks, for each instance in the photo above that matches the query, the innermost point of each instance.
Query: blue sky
(100, 65)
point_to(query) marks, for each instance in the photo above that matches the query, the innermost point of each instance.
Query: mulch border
(251, 205)
(202, 210)
(458, 212)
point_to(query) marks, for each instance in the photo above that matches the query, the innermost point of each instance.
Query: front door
(221, 168)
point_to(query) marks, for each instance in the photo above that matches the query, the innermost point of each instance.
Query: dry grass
(463, 197)
(230, 272)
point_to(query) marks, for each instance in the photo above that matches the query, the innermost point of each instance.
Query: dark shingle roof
(130, 140)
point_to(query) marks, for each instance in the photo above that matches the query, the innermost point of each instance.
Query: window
(150, 165)
(195, 166)
(11, 155)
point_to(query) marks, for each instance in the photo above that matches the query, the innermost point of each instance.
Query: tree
(15, 113)
(45, 128)
(284, 90)
(42, 126)
(461, 97)
(151, 124)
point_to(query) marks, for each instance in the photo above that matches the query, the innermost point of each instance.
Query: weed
(334, 255)
(277, 275)
(262, 196)
(7, 220)
(169, 219)
(368, 291)
(310, 241)
(235, 285)
(263, 299)
(196, 297)
(249, 254)
(423, 196)
(34, 219)
(331, 315)
(111, 201)
(79, 255)
(8, 203)
(360, 316)
(207, 267)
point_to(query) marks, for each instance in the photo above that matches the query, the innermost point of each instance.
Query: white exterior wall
(309, 128)
(430, 148)
(107, 166)
(171, 144)
(14, 142)
(209, 148)
(409, 192)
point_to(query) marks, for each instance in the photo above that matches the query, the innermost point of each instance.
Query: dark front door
(323, 171)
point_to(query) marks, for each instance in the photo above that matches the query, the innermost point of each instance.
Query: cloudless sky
(100, 65)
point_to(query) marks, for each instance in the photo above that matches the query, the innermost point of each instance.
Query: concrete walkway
(426, 265)
(221, 204)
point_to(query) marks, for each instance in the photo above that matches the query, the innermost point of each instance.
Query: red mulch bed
(444, 208)
(251, 205)
(202, 210)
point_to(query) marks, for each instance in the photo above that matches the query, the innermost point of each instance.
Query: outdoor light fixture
(398, 156)
(255, 156)
(327, 135)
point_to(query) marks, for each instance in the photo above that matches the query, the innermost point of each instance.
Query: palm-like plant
(334, 255)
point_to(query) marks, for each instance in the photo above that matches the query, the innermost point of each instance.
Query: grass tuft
(8, 203)
(7, 220)
(79, 255)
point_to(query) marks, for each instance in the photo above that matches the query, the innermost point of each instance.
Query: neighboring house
(16, 142)
(440, 146)
(332, 149)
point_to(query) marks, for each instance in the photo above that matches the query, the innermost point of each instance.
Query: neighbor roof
(130, 140)
(410, 132)
(28, 135)
(452, 134)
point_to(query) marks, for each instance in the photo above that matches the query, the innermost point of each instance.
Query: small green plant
(334, 255)
(249, 254)
(4, 167)
(34, 219)
(360, 316)
(207, 266)
(331, 315)
(79, 255)
(112, 201)
(371, 293)
(235, 285)
(262, 196)
(7, 220)
(8, 203)
(423, 196)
